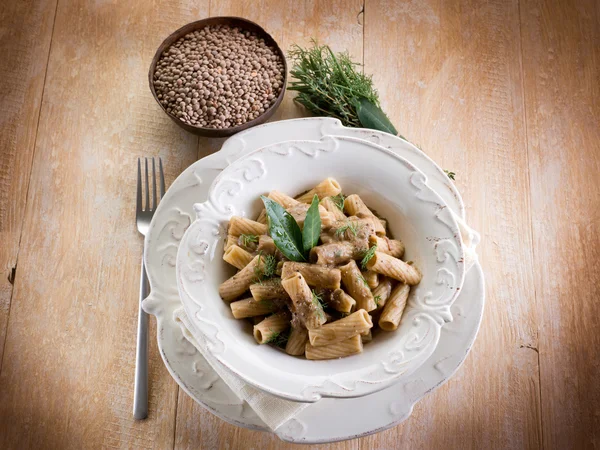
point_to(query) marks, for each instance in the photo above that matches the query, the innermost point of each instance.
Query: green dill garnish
(338, 200)
(377, 299)
(361, 278)
(279, 339)
(247, 239)
(319, 304)
(368, 255)
(269, 267)
(450, 174)
(353, 227)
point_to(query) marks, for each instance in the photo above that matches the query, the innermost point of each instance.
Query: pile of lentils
(218, 77)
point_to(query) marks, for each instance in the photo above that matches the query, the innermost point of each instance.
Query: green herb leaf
(312, 226)
(284, 230)
(279, 339)
(247, 239)
(339, 201)
(268, 269)
(450, 174)
(319, 304)
(367, 256)
(353, 227)
(377, 299)
(361, 278)
(371, 116)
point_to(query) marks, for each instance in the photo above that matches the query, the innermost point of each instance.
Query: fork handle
(140, 394)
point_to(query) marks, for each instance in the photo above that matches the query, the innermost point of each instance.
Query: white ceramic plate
(369, 414)
(386, 182)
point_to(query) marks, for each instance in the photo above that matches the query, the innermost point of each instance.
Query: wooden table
(504, 93)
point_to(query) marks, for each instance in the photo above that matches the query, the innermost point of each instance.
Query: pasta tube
(241, 225)
(367, 336)
(330, 206)
(382, 292)
(342, 302)
(298, 212)
(237, 257)
(357, 287)
(338, 350)
(315, 275)
(297, 341)
(284, 200)
(268, 290)
(231, 240)
(334, 253)
(392, 247)
(273, 325)
(251, 308)
(354, 206)
(262, 217)
(394, 268)
(326, 188)
(241, 281)
(372, 278)
(307, 308)
(393, 309)
(340, 330)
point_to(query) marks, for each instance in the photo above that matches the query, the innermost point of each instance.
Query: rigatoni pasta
(241, 225)
(326, 188)
(325, 300)
(340, 330)
(394, 268)
(272, 326)
(354, 206)
(237, 257)
(249, 307)
(348, 347)
(393, 309)
(309, 311)
(315, 275)
(357, 286)
(297, 340)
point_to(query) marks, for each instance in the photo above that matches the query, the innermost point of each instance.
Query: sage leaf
(371, 116)
(284, 230)
(312, 226)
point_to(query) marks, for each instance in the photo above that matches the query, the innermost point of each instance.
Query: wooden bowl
(233, 22)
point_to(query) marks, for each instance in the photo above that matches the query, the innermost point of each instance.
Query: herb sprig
(329, 84)
(367, 256)
(268, 269)
(377, 299)
(279, 339)
(319, 304)
(338, 200)
(450, 174)
(353, 227)
(247, 239)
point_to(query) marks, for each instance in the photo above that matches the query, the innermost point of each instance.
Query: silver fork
(143, 216)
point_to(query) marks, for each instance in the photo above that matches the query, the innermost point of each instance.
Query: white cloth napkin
(275, 411)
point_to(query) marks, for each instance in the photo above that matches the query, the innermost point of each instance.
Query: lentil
(218, 77)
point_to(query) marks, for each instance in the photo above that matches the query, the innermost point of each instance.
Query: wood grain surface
(504, 93)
